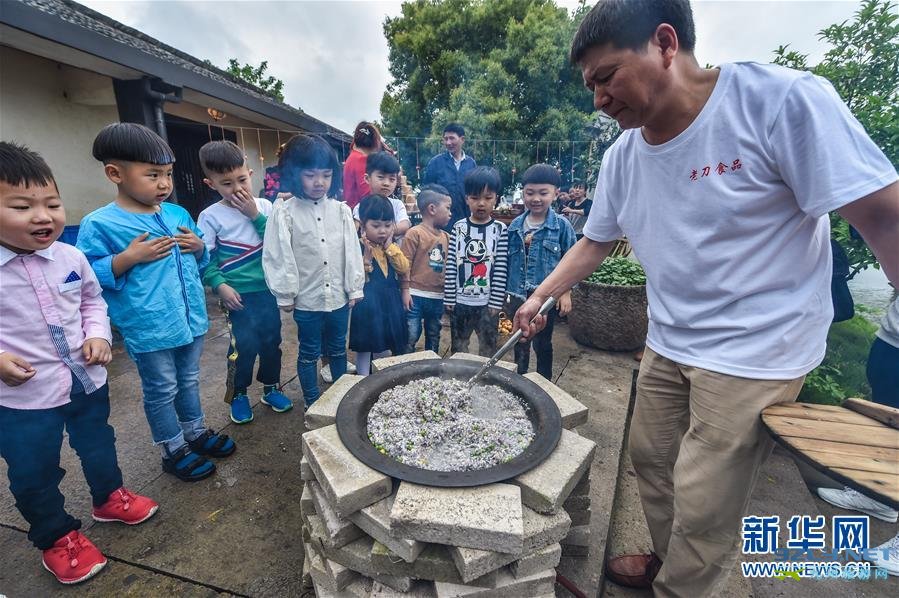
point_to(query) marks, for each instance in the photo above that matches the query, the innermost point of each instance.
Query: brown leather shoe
(633, 570)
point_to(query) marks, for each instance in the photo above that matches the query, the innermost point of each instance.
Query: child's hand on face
(230, 297)
(14, 370)
(245, 204)
(142, 251)
(189, 240)
(96, 351)
(366, 247)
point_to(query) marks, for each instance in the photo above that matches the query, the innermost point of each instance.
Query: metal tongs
(544, 309)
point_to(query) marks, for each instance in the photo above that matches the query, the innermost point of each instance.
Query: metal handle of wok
(544, 309)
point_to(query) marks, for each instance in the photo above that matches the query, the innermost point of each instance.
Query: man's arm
(579, 262)
(876, 217)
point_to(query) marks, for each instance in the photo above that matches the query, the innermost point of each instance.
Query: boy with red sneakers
(54, 341)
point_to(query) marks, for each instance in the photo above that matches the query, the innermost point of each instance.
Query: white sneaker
(326, 373)
(847, 498)
(891, 563)
(350, 367)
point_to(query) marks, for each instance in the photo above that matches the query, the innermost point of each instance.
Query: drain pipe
(159, 99)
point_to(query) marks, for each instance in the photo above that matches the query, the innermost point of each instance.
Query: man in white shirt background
(722, 181)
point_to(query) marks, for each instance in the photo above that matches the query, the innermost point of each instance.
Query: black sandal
(211, 444)
(188, 466)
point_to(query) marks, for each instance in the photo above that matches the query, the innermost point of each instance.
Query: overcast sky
(332, 55)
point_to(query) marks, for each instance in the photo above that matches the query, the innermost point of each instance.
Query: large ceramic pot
(609, 317)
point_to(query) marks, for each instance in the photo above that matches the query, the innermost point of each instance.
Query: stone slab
(360, 588)
(434, 563)
(484, 517)
(420, 589)
(539, 531)
(385, 362)
(341, 531)
(507, 586)
(543, 559)
(580, 517)
(322, 574)
(576, 503)
(575, 551)
(349, 484)
(324, 411)
(319, 531)
(582, 488)
(375, 521)
(545, 487)
(577, 536)
(306, 472)
(357, 556)
(574, 413)
(307, 507)
(471, 356)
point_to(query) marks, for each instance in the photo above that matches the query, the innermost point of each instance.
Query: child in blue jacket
(537, 241)
(147, 255)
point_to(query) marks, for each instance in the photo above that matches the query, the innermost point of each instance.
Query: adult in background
(449, 168)
(722, 181)
(366, 140)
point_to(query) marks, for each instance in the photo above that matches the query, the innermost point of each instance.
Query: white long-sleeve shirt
(311, 256)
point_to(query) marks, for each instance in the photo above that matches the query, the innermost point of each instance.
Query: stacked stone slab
(367, 535)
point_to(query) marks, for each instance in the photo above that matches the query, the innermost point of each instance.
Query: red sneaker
(73, 558)
(127, 507)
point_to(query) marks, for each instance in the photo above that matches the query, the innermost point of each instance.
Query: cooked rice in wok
(440, 425)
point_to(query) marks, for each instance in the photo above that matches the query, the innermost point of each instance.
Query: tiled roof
(77, 14)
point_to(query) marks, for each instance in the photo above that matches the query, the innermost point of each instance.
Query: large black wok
(352, 421)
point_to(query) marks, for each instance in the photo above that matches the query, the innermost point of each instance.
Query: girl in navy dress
(378, 322)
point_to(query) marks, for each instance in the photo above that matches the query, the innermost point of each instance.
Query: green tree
(863, 66)
(499, 67)
(255, 75)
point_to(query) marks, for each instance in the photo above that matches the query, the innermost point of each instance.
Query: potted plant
(608, 308)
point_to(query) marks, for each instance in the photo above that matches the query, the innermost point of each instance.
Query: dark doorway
(186, 137)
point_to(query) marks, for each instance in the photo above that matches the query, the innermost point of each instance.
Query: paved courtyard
(238, 532)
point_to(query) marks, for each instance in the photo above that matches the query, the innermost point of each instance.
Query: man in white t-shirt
(722, 182)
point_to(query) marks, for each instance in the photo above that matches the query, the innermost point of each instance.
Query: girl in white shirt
(311, 258)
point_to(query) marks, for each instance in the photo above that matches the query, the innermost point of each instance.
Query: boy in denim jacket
(537, 241)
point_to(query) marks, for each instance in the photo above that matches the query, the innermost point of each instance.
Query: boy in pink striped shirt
(54, 344)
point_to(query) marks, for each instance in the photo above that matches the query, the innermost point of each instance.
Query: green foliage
(500, 68)
(863, 66)
(842, 373)
(255, 75)
(619, 271)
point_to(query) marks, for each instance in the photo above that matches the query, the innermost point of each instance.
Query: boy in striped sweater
(475, 283)
(233, 229)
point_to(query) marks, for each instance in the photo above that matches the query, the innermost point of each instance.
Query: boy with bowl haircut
(54, 343)
(147, 255)
(538, 239)
(475, 283)
(426, 246)
(233, 229)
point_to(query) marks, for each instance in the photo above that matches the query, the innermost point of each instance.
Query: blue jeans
(429, 310)
(312, 327)
(30, 441)
(171, 382)
(257, 332)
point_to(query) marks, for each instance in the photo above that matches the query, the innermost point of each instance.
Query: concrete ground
(238, 532)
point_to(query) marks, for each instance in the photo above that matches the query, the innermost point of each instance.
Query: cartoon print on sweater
(436, 258)
(476, 254)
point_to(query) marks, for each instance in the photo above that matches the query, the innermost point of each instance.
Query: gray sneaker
(847, 498)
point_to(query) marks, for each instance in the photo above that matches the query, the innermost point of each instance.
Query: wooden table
(857, 444)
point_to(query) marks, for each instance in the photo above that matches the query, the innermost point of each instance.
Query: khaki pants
(697, 444)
